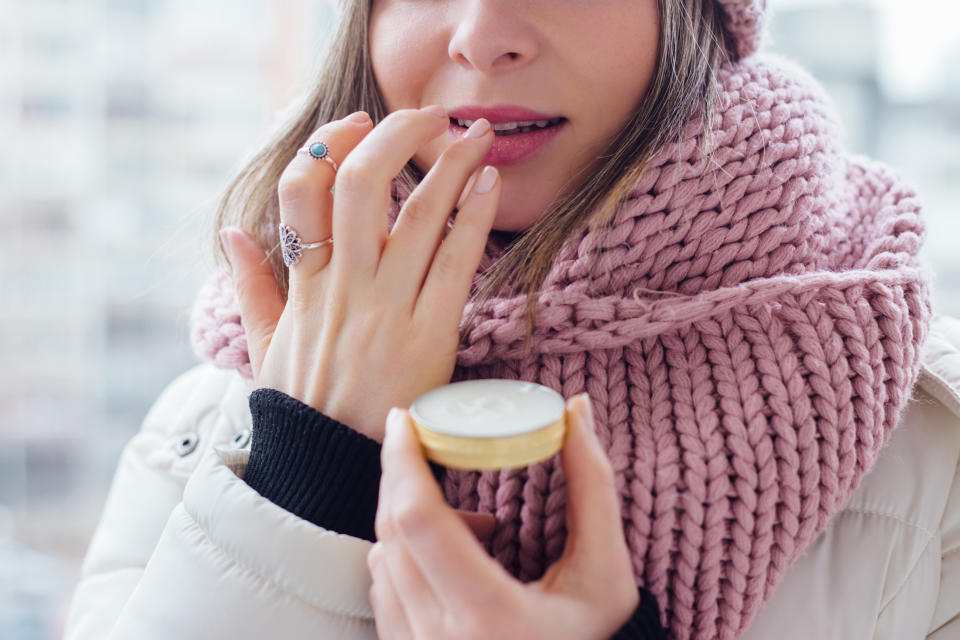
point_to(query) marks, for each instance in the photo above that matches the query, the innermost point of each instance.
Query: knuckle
(299, 301)
(469, 622)
(415, 210)
(381, 525)
(410, 518)
(445, 261)
(296, 186)
(355, 174)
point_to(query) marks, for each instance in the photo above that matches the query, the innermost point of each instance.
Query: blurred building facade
(122, 120)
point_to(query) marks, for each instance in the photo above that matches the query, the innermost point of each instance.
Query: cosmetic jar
(484, 425)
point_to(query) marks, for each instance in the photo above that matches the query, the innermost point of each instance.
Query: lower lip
(517, 148)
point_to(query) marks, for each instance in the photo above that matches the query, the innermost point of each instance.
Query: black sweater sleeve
(325, 472)
(312, 465)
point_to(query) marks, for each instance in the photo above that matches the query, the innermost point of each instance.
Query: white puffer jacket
(185, 549)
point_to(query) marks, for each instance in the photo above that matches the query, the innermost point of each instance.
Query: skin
(371, 322)
(590, 61)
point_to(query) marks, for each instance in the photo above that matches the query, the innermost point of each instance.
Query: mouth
(512, 128)
(515, 142)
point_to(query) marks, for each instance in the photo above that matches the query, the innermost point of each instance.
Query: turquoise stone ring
(319, 151)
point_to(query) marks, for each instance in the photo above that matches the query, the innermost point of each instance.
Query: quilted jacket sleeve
(172, 558)
(946, 617)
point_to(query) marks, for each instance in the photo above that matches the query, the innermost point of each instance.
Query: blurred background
(122, 120)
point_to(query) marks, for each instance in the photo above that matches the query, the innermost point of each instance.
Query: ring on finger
(319, 151)
(293, 247)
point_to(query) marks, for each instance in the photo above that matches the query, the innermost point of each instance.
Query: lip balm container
(484, 425)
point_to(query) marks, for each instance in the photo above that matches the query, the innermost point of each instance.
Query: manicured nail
(486, 180)
(586, 409)
(435, 110)
(477, 129)
(394, 418)
(359, 117)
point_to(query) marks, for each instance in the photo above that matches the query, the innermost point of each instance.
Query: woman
(668, 226)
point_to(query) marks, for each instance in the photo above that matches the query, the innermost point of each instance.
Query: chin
(516, 212)
(514, 221)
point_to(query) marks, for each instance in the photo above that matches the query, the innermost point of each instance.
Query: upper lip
(498, 113)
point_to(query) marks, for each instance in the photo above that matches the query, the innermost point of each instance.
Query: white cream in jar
(482, 425)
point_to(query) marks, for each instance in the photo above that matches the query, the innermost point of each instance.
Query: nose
(493, 36)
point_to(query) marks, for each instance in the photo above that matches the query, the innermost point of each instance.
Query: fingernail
(586, 409)
(488, 178)
(393, 418)
(225, 239)
(435, 110)
(477, 129)
(359, 117)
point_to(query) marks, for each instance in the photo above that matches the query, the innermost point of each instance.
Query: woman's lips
(515, 148)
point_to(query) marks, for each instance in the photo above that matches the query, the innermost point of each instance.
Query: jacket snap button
(242, 439)
(186, 443)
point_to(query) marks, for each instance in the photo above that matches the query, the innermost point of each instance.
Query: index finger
(437, 539)
(363, 184)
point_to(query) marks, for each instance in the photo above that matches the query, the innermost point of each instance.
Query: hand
(431, 578)
(371, 322)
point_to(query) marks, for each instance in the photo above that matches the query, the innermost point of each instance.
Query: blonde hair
(693, 44)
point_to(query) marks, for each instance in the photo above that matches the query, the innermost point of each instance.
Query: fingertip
(487, 180)
(397, 432)
(225, 243)
(582, 444)
(232, 236)
(585, 408)
(580, 412)
(395, 420)
(359, 117)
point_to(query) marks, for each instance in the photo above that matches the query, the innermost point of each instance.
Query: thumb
(595, 540)
(257, 292)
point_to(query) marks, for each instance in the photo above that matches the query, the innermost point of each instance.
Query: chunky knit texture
(744, 22)
(748, 333)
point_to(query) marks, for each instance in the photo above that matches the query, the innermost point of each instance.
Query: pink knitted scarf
(749, 343)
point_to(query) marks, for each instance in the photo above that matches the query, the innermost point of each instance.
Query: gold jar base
(490, 454)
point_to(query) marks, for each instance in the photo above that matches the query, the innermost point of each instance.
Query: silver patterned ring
(293, 247)
(319, 151)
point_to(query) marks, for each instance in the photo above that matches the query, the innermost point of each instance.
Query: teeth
(509, 126)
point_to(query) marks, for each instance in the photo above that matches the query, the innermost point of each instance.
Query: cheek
(401, 61)
(619, 67)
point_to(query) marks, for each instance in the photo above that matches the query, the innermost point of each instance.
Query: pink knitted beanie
(744, 21)
(748, 333)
